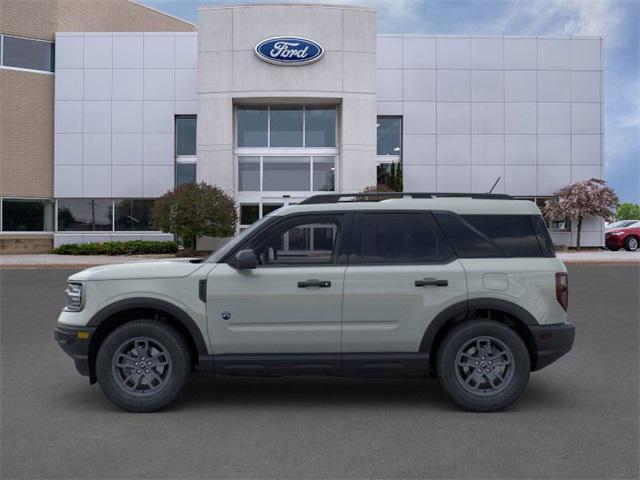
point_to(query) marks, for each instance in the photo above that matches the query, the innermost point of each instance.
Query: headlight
(75, 297)
(616, 233)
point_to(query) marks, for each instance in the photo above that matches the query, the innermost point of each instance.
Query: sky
(617, 21)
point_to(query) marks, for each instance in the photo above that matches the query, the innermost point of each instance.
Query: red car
(627, 237)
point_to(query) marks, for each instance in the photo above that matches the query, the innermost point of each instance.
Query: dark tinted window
(186, 126)
(26, 53)
(27, 215)
(512, 233)
(548, 250)
(81, 214)
(399, 238)
(133, 215)
(467, 242)
(185, 173)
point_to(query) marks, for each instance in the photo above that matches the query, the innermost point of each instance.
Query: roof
(461, 205)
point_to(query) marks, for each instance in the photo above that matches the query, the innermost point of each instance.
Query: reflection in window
(248, 174)
(253, 126)
(320, 127)
(27, 215)
(324, 169)
(286, 173)
(186, 135)
(389, 133)
(563, 225)
(249, 213)
(85, 215)
(133, 215)
(26, 53)
(285, 125)
(185, 173)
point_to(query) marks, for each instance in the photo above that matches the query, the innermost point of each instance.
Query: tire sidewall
(446, 360)
(177, 349)
(627, 244)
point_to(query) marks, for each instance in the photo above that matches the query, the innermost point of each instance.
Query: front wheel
(143, 365)
(631, 244)
(483, 365)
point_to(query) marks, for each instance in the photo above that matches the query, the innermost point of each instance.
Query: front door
(291, 303)
(401, 274)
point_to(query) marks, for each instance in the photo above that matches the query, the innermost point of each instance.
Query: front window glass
(286, 127)
(253, 124)
(185, 135)
(286, 173)
(320, 127)
(133, 215)
(25, 215)
(81, 214)
(389, 133)
(25, 53)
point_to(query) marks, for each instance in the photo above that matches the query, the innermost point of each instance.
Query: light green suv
(463, 287)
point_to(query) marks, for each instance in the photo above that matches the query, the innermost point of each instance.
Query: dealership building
(273, 103)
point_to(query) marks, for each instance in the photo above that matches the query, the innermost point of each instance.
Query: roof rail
(379, 196)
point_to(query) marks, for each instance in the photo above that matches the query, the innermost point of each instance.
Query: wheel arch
(502, 311)
(118, 313)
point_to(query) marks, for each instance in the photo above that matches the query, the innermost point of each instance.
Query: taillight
(562, 289)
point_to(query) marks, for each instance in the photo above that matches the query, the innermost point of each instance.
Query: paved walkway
(84, 261)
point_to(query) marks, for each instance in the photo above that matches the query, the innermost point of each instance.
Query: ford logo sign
(289, 51)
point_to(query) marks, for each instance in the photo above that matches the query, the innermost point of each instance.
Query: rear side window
(544, 239)
(399, 238)
(466, 240)
(514, 234)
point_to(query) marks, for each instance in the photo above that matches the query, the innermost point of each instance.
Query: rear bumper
(75, 345)
(552, 342)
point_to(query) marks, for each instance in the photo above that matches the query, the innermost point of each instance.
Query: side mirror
(245, 260)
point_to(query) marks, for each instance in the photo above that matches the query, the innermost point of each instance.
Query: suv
(463, 287)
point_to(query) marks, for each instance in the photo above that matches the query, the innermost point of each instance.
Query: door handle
(431, 282)
(314, 283)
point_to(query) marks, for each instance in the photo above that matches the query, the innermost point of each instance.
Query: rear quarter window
(514, 234)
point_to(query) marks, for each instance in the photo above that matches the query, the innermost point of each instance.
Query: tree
(587, 198)
(628, 211)
(195, 210)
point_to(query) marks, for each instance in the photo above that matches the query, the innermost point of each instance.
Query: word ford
(283, 50)
(289, 50)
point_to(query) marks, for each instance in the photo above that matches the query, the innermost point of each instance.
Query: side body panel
(526, 282)
(264, 311)
(384, 311)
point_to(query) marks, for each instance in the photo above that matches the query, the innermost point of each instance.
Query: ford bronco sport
(463, 287)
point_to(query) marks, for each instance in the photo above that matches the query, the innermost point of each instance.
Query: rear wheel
(143, 365)
(631, 244)
(483, 365)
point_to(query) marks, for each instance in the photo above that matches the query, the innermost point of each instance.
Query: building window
(186, 160)
(286, 127)
(133, 215)
(556, 226)
(389, 152)
(86, 215)
(251, 212)
(27, 215)
(283, 173)
(26, 53)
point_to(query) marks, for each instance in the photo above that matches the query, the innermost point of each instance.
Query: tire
(631, 243)
(482, 392)
(122, 365)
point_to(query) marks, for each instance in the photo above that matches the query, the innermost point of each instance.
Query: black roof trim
(379, 196)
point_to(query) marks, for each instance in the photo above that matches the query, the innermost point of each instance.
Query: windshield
(216, 255)
(621, 224)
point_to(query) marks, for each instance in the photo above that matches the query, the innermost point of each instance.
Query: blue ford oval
(289, 50)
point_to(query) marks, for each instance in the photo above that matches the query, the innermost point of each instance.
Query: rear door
(401, 274)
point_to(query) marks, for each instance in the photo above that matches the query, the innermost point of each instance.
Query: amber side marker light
(83, 335)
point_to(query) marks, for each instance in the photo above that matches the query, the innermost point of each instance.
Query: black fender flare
(461, 309)
(156, 304)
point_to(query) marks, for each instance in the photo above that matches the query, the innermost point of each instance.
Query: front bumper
(614, 241)
(75, 343)
(552, 342)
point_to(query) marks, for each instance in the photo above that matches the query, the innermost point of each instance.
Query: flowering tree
(586, 198)
(195, 210)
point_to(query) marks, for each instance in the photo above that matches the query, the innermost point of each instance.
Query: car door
(291, 303)
(401, 274)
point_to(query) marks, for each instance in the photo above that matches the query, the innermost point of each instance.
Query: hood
(139, 270)
(616, 230)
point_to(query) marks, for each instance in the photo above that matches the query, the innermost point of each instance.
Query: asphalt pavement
(578, 418)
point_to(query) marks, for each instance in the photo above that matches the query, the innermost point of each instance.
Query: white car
(463, 287)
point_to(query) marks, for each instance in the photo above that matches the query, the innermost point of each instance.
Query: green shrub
(133, 247)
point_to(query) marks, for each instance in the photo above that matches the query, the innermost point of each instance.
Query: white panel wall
(116, 95)
(525, 109)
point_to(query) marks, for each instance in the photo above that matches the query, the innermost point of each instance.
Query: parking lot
(578, 418)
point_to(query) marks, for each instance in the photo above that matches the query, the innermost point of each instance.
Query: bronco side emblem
(226, 315)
